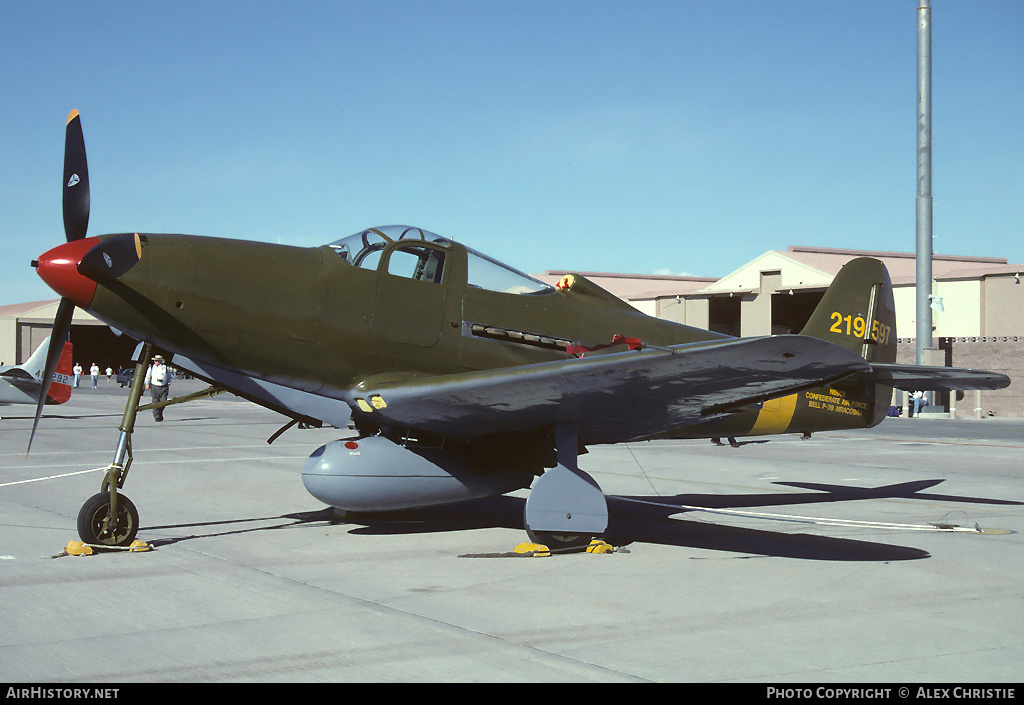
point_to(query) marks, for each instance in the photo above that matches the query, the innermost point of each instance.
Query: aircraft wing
(611, 397)
(285, 400)
(925, 378)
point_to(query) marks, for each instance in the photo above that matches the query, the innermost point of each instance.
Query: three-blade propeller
(76, 222)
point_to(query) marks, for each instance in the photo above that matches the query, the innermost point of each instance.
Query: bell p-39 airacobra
(464, 377)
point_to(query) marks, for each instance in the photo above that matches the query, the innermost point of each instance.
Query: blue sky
(638, 136)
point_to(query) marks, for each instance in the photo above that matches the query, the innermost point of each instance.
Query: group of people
(158, 381)
(94, 373)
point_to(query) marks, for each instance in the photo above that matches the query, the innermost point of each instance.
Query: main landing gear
(566, 508)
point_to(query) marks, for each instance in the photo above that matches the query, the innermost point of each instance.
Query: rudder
(60, 386)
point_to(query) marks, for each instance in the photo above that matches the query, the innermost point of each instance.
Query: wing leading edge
(612, 397)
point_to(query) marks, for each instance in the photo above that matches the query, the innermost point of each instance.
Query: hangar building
(23, 328)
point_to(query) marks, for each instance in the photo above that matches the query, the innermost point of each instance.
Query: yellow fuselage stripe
(775, 416)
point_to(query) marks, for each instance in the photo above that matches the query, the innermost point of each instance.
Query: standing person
(77, 369)
(94, 372)
(158, 381)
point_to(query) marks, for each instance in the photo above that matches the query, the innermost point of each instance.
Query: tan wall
(9, 341)
(697, 313)
(31, 336)
(1004, 354)
(1003, 306)
(645, 306)
(756, 310)
(961, 301)
(671, 309)
(906, 310)
(19, 341)
(962, 314)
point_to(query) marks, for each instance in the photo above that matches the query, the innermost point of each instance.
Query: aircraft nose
(59, 269)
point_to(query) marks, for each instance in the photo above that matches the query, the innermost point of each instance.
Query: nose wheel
(97, 525)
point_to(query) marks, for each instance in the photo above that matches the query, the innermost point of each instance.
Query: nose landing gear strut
(108, 518)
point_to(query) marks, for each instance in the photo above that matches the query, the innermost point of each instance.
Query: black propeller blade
(76, 222)
(76, 181)
(61, 326)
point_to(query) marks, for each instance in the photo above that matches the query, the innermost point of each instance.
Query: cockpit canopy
(420, 254)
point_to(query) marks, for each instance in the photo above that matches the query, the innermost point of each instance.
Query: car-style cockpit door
(411, 293)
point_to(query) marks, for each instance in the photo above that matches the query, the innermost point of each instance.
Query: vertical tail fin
(858, 312)
(35, 362)
(60, 387)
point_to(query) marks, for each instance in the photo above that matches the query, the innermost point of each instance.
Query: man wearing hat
(158, 381)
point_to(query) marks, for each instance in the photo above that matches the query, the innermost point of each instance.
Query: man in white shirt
(158, 382)
(919, 400)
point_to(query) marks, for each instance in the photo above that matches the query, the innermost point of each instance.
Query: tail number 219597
(857, 327)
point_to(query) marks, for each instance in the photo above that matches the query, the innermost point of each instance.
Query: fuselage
(308, 317)
(384, 304)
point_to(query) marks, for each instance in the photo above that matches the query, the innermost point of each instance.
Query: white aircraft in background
(20, 384)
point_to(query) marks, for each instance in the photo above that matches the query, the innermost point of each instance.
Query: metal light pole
(924, 179)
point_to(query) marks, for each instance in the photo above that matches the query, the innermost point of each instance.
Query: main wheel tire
(558, 541)
(95, 511)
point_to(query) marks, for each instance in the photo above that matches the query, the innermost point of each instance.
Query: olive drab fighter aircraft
(464, 377)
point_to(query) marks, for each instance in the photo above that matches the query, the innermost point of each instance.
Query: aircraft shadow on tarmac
(637, 520)
(631, 522)
(648, 519)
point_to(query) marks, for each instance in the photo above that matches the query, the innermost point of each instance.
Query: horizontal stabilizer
(926, 378)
